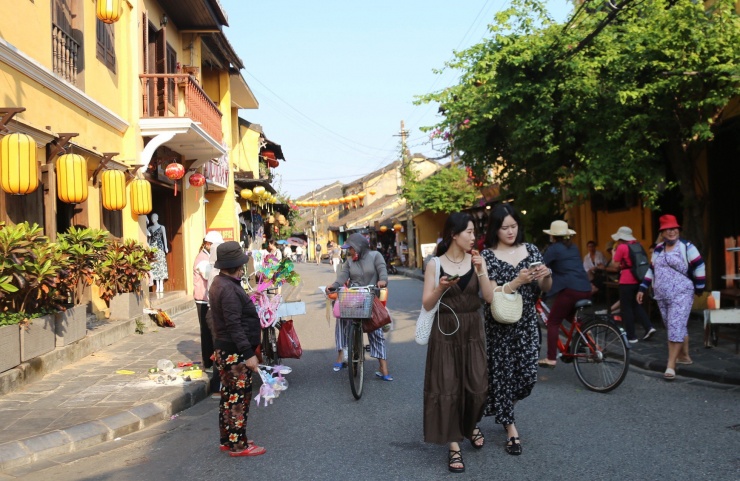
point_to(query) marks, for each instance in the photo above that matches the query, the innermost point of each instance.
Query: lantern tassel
(175, 188)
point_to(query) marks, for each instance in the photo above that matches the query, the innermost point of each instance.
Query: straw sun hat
(559, 228)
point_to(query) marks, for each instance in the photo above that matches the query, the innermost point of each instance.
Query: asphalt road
(646, 429)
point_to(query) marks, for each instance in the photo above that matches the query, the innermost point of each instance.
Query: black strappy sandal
(477, 437)
(515, 448)
(455, 457)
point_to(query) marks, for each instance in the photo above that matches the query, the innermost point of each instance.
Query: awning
(252, 183)
(242, 96)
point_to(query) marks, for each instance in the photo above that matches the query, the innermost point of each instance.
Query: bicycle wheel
(600, 355)
(356, 359)
(269, 347)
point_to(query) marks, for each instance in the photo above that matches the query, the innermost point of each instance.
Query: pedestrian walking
(201, 272)
(237, 334)
(676, 273)
(513, 349)
(299, 253)
(630, 310)
(335, 256)
(318, 253)
(456, 356)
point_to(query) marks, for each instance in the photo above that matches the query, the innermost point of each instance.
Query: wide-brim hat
(668, 221)
(229, 255)
(559, 228)
(623, 233)
(214, 237)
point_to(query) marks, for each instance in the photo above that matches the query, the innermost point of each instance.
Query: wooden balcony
(179, 95)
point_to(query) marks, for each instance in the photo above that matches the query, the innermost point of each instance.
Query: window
(171, 68)
(106, 41)
(66, 42)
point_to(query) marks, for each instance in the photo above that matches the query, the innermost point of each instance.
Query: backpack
(639, 260)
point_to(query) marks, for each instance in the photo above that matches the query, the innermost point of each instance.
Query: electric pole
(405, 172)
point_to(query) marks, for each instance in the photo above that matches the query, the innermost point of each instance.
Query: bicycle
(356, 305)
(596, 346)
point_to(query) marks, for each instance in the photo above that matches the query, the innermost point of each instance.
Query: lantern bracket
(7, 113)
(107, 157)
(58, 145)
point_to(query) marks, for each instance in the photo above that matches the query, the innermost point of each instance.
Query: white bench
(720, 316)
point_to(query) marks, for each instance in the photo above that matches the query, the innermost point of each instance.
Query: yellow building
(159, 86)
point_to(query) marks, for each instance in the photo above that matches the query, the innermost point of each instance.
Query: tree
(449, 190)
(614, 102)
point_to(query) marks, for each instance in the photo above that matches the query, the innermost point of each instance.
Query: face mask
(355, 256)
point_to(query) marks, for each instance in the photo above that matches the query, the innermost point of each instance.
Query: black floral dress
(513, 349)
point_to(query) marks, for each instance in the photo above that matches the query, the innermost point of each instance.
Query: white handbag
(506, 308)
(426, 318)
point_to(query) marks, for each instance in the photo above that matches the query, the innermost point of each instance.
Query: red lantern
(268, 155)
(175, 172)
(197, 179)
(272, 163)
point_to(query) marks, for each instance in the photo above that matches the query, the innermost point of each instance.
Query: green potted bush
(119, 275)
(82, 249)
(29, 290)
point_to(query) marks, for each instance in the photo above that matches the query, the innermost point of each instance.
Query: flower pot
(37, 337)
(70, 325)
(126, 306)
(10, 347)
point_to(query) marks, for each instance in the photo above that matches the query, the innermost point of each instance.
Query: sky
(335, 78)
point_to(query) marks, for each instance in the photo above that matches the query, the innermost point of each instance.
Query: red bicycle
(596, 346)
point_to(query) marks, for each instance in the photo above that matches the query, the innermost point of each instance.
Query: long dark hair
(496, 220)
(457, 222)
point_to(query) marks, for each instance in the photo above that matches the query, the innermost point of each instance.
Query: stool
(713, 317)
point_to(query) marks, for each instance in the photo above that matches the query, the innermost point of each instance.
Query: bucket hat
(559, 228)
(623, 233)
(214, 237)
(229, 255)
(668, 221)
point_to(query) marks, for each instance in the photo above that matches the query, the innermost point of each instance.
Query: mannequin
(157, 237)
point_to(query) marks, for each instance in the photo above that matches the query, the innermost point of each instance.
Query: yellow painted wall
(428, 225)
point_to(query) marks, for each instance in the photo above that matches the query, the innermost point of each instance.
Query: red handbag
(380, 318)
(288, 345)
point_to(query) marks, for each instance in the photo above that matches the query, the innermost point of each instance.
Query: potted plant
(82, 249)
(29, 287)
(119, 275)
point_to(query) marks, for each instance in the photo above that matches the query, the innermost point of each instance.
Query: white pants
(377, 341)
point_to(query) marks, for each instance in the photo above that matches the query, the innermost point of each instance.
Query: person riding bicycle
(570, 284)
(362, 268)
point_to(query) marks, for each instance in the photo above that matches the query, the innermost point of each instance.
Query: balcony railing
(64, 54)
(178, 95)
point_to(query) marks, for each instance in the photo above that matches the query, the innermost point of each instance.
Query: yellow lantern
(361, 195)
(72, 178)
(246, 194)
(397, 227)
(372, 192)
(114, 190)
(334, 202)
(383, 228)
(259, 190)
(353, 198)
(20, 173)
(324, 203)
(141, 197)
(108, 11)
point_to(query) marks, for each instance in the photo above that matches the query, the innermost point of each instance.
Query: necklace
(455, 262)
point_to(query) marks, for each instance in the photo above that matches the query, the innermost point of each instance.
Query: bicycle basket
(356, 304)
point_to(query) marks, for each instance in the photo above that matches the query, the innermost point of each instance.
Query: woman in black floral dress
(513, 349)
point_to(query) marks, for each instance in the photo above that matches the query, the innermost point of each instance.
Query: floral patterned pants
(236, 393)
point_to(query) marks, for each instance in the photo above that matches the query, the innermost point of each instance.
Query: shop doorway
(169, 209)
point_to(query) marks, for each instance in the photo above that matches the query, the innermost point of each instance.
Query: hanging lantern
(281, 218)
(175, 172)
(272, 163)
(372, 192)
(114, 190)
(361, 195)
(324, 203)
(108, 11)
(383, 228)
(246, 194)
(71, 178)
(353, 198)
(268, 155)
(259, 190)
(397, 227)
(20, 174)
(141, 197)
(197, 179)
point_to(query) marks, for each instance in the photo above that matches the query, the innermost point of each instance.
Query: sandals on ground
(513, 446)
(546, 363)
(477, 436)
(670, 374)
(455, 457)
(386, 377)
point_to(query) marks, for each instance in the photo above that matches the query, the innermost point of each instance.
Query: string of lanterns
(352, 201)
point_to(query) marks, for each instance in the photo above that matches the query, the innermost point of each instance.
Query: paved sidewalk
(717, 364)
(88, 402)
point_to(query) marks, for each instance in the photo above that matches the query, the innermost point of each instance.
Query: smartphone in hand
(534, 265)
(453, 278)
